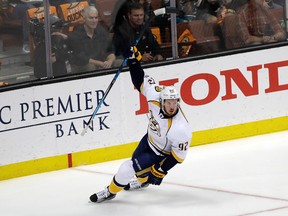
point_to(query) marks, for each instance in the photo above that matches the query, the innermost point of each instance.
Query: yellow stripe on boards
(240, 131)
(103, 154)
(62, 162)
(34, 166)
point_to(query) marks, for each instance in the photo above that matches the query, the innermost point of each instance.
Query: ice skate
(135, 185)
(102, 196)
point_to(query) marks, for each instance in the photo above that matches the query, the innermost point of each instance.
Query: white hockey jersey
(165, 135)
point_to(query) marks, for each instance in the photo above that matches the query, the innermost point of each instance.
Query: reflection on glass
(96, 41)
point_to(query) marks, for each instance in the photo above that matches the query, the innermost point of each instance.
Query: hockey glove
(133, 53)
(137, 53)
(156, 175)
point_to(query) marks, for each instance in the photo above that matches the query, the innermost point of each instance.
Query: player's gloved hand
(134, 54)
(156, 175)
(137, 53)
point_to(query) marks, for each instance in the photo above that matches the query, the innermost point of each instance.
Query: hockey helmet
(169, 92)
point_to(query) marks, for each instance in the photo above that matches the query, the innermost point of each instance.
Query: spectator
(120, 13)
(256, 24)
(213, 10)
(208, 10)
(60, 54)
(121, 9)
(229, 7)
(126, 34)
(188, 9)
(18, 10)
(90, 43)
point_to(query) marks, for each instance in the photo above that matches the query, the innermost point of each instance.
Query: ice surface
(234, 178)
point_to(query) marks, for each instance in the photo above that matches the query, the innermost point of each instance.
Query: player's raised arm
(136, 71)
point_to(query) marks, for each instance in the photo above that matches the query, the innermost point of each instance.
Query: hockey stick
(155, 13)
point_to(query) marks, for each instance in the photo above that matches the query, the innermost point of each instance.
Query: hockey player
(163, 146)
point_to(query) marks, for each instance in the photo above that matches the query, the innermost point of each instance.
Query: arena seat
(72, 12)
(206, 40)
(185, 41)
(156, 32)
(39, 12)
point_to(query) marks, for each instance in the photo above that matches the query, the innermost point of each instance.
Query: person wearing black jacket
(60, 54)
(126, 34)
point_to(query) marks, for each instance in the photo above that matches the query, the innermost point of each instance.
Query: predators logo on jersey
(154, 125)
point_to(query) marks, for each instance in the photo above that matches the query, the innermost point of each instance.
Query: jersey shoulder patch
(158, 88)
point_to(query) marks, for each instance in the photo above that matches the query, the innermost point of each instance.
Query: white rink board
(47, 120)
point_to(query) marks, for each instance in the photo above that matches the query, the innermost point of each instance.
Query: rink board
(223, 98)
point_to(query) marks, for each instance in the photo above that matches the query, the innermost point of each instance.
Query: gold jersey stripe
(180, 160)
(143, 180)
(147, 170)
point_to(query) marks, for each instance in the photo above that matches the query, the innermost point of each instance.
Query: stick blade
(159, 11)
(84, 131)
(165, 10)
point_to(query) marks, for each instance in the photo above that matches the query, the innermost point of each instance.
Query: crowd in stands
(17, 9)
(97, 45)
(263, 28)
